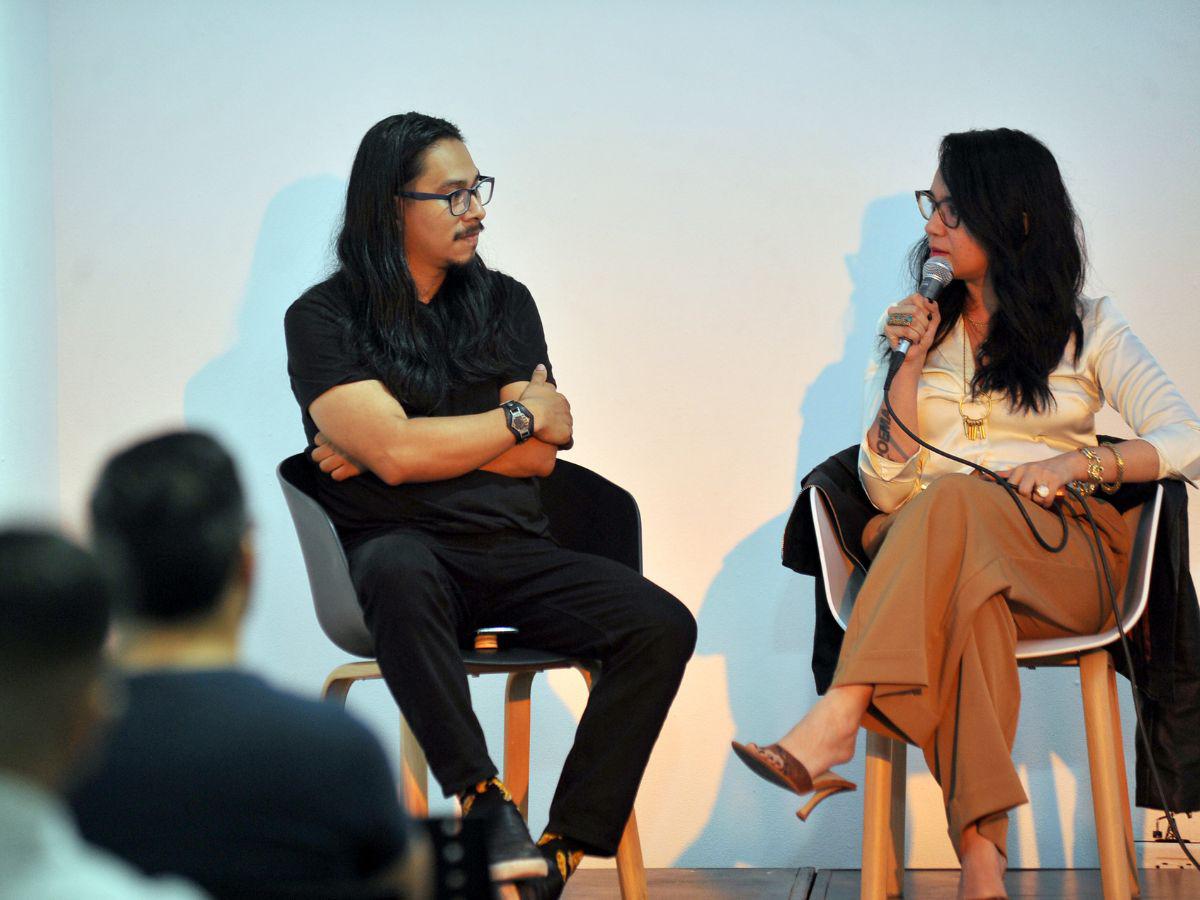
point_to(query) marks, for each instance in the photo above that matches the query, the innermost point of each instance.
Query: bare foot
(825, 736)
(983, 867)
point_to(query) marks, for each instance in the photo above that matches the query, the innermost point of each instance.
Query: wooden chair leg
(1114, 703)
(336, 689)
(879, 840)
(1095, 668)
(631, 868)
(516, 738)
(338, 684)
(899, 788)
(414, 774)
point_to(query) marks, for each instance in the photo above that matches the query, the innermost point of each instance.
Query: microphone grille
(939, 269)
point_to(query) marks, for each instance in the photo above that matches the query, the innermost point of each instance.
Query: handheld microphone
(935, 275)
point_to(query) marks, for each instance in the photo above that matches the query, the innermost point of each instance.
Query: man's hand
(334, 461)
(552, 421)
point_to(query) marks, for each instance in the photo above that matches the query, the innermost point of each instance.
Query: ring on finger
(899, 318)
(1043, 490)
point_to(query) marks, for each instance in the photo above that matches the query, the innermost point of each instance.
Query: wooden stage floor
(842, 884)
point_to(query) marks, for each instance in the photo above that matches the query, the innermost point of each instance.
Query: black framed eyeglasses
(460, 200)
(928, 205)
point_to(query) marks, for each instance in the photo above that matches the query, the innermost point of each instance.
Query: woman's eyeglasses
(928, 205)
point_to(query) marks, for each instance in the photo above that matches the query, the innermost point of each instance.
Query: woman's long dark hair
(418, 350)
(1010, 196)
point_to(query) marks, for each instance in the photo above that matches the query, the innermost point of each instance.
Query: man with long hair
(428, 397)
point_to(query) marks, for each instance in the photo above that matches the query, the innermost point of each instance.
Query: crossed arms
(363, 427)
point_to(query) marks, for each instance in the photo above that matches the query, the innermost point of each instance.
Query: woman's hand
(332, 460)
(1043, 481)
(914, 319)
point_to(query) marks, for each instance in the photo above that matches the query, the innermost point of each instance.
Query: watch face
(520, 422)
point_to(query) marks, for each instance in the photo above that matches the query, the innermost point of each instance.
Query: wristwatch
(520, 420)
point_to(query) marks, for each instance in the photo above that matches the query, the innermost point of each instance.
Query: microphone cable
(1137, 703)
(893, 367)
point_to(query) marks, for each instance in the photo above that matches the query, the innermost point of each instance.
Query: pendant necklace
(974, 410)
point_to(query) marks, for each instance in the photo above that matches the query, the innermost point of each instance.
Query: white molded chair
(883, 797)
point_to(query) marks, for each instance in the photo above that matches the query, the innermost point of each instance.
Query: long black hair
(1010, 196)
(418, 350)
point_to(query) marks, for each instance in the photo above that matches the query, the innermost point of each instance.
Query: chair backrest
(587, 513)
(333, 593)
(843, 578)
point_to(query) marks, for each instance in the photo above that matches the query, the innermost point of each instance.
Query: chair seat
(1032, 652)
(514, 659)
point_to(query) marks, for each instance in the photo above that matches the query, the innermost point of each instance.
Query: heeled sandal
(825, 786)
(774, 764)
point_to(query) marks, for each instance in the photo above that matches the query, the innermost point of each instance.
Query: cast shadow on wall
(760, 617)
(243, 397)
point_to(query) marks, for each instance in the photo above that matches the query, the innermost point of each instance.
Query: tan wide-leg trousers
(957, 580)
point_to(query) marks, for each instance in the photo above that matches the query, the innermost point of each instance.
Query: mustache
(468, 232)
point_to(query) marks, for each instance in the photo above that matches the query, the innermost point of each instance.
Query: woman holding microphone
(1007, 369)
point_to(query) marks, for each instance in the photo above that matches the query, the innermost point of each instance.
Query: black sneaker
(512, 855)
(548, 888)
(562, 860)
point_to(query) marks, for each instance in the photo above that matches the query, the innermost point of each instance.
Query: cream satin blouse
(1114, 367)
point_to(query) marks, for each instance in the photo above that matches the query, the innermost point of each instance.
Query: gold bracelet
(1087, 488)
(1115, 486)
(1095, 469)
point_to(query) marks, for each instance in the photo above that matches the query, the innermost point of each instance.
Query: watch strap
(519, 420)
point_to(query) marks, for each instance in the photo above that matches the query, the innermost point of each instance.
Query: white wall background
(28, 373)
(710, 201)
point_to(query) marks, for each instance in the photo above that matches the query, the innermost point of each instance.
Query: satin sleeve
(889, 484)
(1135, 385)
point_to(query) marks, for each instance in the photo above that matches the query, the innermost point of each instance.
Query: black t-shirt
(323, 353)
(241, 788)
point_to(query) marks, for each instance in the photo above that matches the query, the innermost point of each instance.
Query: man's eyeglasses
(460, 200)
(928, 206)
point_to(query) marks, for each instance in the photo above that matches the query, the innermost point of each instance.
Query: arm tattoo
(883, 443)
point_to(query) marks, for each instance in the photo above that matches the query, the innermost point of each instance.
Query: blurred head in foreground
(54, 614)
(169, 517)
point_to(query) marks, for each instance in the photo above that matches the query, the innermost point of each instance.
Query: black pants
(423, 596)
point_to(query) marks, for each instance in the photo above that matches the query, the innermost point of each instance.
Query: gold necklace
(979, 325)
(974, 411)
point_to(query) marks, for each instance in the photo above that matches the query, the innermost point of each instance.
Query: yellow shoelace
(469, 801)
(567, 863)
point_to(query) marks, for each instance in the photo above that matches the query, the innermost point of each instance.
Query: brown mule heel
(774, 764)
(824, 786)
